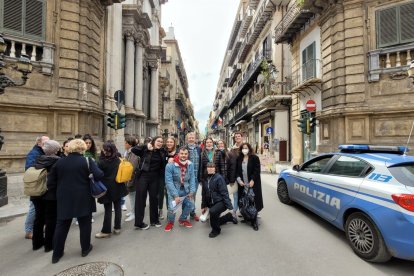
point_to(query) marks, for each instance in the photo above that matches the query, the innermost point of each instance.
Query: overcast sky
(202, 29)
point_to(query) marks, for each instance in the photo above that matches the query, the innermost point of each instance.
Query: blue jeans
(193, 211)
(235, 201)
(187, 206)
(122, 201)
(28, 224)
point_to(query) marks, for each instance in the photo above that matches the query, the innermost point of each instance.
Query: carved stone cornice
(110, 2)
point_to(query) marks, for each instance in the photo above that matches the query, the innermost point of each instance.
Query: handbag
(98, 189)
(247, 205)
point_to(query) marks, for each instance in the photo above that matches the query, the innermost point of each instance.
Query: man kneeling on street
(181, 186)
(215, 197)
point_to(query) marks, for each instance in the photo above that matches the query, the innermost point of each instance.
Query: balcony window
(308, 66)
(395, 25)
(23, 18)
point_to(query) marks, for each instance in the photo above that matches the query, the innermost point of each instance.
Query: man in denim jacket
(181, 187)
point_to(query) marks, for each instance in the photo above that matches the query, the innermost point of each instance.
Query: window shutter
(407, 22)
(12, 12)
(34, 18)
(387, 27)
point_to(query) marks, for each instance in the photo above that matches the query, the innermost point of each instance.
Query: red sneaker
(195, 217)
(185, 223)
(169, 226)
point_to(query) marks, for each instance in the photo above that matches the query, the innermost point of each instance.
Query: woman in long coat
(109, 164)
(248, 175)
(70, 177)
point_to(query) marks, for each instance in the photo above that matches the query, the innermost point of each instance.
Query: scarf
(183, 168)
(210, 155)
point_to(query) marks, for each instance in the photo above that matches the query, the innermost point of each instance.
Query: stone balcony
(41, 53)
(393, 61)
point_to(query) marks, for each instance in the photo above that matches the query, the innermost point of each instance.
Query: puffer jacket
(215, 190)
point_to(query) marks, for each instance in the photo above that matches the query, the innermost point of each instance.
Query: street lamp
(23, 65)
(411, 71)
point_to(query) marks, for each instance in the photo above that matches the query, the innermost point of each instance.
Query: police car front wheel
(365, 238)
(283, 193)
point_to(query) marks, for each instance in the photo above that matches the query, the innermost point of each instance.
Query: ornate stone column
(154, 98)
(139, 76)
(129, 72)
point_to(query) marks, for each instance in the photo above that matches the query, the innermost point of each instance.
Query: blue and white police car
(366, 191)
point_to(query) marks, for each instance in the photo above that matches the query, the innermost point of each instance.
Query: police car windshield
(404, 174)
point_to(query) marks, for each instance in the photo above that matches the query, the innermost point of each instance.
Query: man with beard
(181, 187)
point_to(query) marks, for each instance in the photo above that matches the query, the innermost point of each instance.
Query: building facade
(251, 95)
(351, 58)
(177, 115)
(63, 96)
(134, 38)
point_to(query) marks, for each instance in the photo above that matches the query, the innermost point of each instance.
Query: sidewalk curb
(8, 218)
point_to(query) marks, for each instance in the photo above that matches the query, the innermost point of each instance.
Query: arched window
(24, 18)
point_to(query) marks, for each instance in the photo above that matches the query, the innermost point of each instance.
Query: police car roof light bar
(370, 148)
(408, 141)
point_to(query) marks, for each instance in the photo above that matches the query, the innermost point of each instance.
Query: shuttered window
(395, 25)
(25, 18)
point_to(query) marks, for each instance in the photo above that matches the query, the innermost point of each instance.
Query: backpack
(125, 171)
(35, 181)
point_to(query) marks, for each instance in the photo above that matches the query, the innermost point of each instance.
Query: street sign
(310, 105)
(269, 130)
(119, 97)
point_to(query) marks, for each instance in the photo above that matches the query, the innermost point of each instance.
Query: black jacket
(145, 159)
(220, 162)
(115, 190)
(253, 173)
(70, 177)
(215, 190)
(232, 165)
(46, 162)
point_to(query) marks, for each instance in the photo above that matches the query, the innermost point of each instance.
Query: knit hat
(51, 147)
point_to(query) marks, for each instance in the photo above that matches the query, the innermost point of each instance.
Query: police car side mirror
(296, 168)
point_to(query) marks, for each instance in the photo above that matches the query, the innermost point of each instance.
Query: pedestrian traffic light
(112, 120)
(312, 122)
(121, 121)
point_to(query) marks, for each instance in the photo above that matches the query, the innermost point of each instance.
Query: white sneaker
(128, 214)
(92, 220)
(76, 222)
(130, 218)
(124, 208)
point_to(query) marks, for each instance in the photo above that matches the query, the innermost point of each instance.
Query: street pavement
(290, 241)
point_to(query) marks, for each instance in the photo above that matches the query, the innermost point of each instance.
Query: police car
(366, 191)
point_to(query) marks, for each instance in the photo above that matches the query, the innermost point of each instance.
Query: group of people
(162, 170)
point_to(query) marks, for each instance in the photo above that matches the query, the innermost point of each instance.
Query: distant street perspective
(200, 137)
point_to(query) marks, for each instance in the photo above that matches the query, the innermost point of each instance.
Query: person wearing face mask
(248, 176)
(181, 187)
(151, 167)
(215, 197)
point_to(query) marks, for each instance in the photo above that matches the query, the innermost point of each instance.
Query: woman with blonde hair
(70, 177)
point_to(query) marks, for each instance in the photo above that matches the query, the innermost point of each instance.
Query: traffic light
(112, 120)
(312, 122)
(121, 121)
(302, 124)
